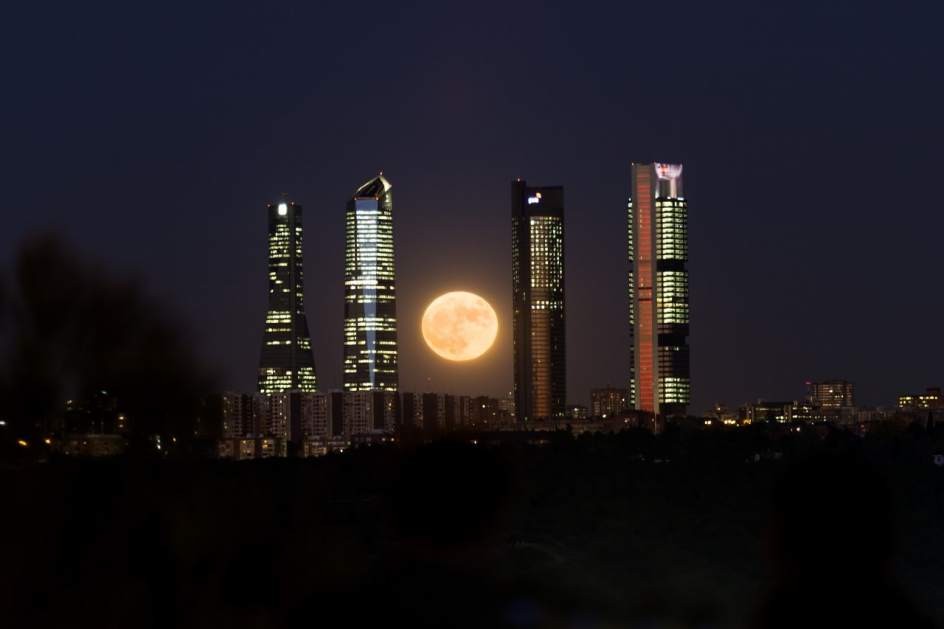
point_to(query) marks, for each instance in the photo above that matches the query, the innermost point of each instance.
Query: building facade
(286, 361)
(930, 399)
(370, 306)
(485, 411)
(659, 375)
(540, 375)
(607, 402)
(831, 394)
(238, 416)
(577, 411)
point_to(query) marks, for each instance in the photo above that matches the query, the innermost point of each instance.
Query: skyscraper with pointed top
(370, 298)
(286, 361)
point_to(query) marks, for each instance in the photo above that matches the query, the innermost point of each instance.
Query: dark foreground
(622, 530)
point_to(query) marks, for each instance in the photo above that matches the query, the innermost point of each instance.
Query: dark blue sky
(152, 135)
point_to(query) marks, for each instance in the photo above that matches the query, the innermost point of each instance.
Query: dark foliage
(582, 532)
(73, 328)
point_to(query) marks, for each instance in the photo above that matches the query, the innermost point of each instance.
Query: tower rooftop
(376, 187)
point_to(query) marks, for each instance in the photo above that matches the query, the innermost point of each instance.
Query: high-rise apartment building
(537, 225)
(287, 362)
(370, 307)
(831, 394)
(237, 416)
(659, 378)
(607, 402)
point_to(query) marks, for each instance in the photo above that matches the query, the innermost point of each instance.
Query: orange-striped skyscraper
(659, 376)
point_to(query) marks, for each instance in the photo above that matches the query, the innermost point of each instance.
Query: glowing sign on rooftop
(668, 171)
(283, 209)
(535, 199)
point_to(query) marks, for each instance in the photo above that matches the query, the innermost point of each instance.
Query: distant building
(538, 330)
(929, 400)
(831, 394)
(465, 410)
(411, 410)
(793, 411)
(318, 412)
(721, 413)
(96, 415)
(93, 427)
(286, 362)
(370, 412)
(370, 306)
(488, 411)
(607, 402)
(302, 423)
(808, 412)
(577, 411)
(320, 446)
(771, 412)
(92, 445)
(434, 411)
(252, 448)
(456, 411)
(659, 374)
(237, 415)
(507, 406)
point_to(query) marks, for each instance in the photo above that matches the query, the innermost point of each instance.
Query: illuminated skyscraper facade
(537, 225)
(287, 362)
(831, 394)
(659, 377)
(370, 299)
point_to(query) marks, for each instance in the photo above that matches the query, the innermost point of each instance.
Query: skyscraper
(537, 226)
(370, 299)
(287, 362)
(659, 379)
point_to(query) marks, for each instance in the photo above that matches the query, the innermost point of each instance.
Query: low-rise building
(92, 445)
(577, 412)
(930, 399)
(607, 402)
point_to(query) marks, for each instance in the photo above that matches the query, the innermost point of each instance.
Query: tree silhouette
(72, 328)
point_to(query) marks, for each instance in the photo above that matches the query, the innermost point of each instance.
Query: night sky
(152, 136)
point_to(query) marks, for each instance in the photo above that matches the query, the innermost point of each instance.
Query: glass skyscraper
(537, 225)
(370, 298)
(287, 362)
(659, 378)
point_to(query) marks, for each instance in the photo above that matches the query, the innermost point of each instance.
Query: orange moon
(459, 326)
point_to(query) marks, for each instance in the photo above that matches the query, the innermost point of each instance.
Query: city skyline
(486, 314)
(196, 147)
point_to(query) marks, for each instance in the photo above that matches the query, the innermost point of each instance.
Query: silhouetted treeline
(72, 328)
(602, 530)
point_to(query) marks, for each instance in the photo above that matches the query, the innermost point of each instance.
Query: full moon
(459, 326)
